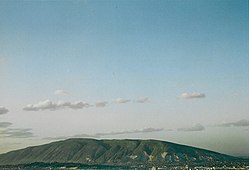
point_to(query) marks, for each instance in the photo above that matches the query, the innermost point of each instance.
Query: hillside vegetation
(112, 152)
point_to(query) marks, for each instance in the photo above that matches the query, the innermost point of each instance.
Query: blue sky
(99, 51)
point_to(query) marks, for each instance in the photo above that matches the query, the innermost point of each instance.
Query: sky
(169, 70)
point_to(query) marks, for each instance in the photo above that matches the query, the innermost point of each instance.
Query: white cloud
(194, 95)
(85, 136)
(49, 105)
(3, 110)
(145, 130)
(99, 135)
(240, 123)
(78, 105)
(60, 92)
(74, 136)
(42, 105)
(5, 124)
(17, 133)
(143, 100)
(197, 127)
(101, 104)
(56, 138)
(121, 100)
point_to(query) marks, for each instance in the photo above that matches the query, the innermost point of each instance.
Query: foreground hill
(113, 152)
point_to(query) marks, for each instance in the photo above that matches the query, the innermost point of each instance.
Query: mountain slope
(113, 152)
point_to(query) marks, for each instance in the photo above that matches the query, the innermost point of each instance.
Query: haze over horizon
(169, 70)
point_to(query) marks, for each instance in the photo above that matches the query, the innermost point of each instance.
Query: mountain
(114, 152)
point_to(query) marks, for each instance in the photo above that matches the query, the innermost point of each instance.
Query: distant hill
(113, 152)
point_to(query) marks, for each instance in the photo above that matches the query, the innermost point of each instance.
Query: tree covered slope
(113, 152)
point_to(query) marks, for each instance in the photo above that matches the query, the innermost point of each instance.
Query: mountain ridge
(124, 152)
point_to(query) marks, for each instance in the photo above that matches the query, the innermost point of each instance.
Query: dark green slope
(113, 152)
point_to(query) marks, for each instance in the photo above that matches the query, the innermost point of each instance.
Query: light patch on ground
(151, 158)
(88, 159)
(176, 157)
(133, 156)
(145, 153)
(163, 154)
